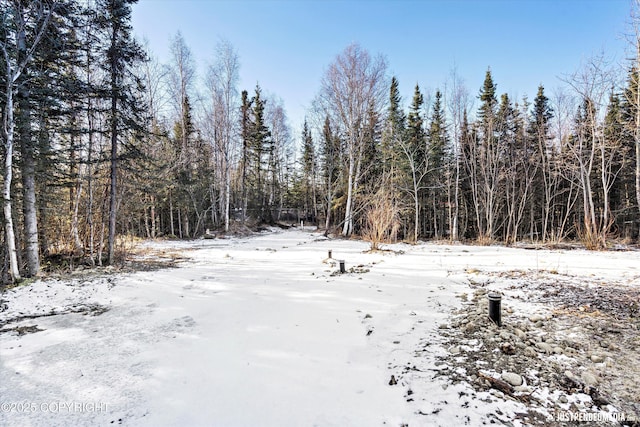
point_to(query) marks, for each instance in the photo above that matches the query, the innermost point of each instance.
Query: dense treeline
(506, 171)
(101, 141)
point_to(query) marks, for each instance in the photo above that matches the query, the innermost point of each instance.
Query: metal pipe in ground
(495, 306)
(329, 254)
(342, 268)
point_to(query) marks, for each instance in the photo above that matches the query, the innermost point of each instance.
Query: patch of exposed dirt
(139, 258)
(147, 259)
(358, 269)
(22, 330)
(90, 310)
(384, 251)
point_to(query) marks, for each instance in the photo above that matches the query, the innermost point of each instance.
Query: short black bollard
(494, 308)
(329, 254)
(342, 269)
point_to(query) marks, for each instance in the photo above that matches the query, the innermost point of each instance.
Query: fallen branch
(498, 384)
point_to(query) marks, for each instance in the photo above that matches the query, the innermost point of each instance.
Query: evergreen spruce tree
(416, 161)
(246, 126)
(122, 53)
(371, 164)
(41, 88)
(631, 117)
(539, 133)
(330, 167)
(261, 147)
(542, 115)
(488, 161)
(416, 136)
(308, 168)
(507, 164)
(438, 142)
(387, 159)
(619, 143)
(438, 135)
(505, 129)
(489, 102)
(393, 132)
(186, 175)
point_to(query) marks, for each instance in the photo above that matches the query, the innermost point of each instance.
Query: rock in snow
(512, 378)
(589, 379)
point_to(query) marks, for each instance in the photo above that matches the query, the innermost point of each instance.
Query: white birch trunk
(6, 187)
(347, 227)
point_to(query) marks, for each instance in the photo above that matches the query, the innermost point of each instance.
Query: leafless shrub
(382, 220)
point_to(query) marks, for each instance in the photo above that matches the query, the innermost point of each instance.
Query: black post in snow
(495, 307)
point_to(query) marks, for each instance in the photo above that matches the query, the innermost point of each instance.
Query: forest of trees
(100, 141)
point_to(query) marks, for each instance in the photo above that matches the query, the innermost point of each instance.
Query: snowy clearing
(261, 331)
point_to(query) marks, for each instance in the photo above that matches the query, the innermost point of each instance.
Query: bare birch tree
(418, 168)
(591, 152)
(561, 192)
(353, 85)
(458, 105)
(181, 74)
(222, 81)
(154, 76)
(280, 155)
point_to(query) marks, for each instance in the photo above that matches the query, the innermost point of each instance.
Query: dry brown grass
(484, 240)
(591, 240)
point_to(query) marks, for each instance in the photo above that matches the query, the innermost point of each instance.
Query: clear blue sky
(286, 45)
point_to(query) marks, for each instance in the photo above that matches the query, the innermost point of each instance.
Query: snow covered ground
(261, 331)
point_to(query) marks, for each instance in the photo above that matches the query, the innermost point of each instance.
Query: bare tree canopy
(353, 86)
